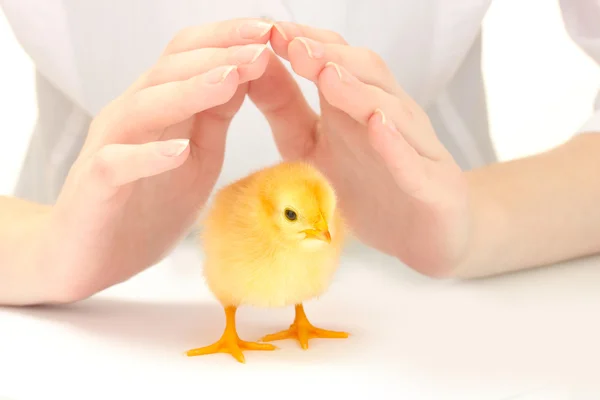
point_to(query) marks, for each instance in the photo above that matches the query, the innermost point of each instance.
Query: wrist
(25, 239)
(21, 255)
(487, 222)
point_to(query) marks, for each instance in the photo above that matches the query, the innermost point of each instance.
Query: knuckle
(410, 110)
(97, 124)
(152, 75)
(157, 73)
(179, 36)
(417, 113)
(407, 110)
(337, 38)
(375, 60)
(103, 170)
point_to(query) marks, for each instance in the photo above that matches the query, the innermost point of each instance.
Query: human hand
(150, 160)
(400, 189)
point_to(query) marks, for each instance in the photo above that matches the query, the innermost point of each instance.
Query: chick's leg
(302, 330)
(230, 341)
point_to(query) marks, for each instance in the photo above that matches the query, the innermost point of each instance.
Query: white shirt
(89, 52)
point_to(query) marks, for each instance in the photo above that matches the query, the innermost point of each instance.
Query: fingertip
(174, 148)
(115, 165)
(253, 29)
(287, 30)
(380, 129)
(335, 73)
(217, 86)
(389, 143)
(217, 79)
(255, 69)
(280, 41)
(162, 156)
(303, 61)
(231, 79)
(280, 31)
(297, 50)
(330, 83)
(222, 74)
(377, 119)
(333, 81)
(280, 48)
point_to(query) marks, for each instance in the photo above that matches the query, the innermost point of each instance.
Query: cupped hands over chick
(272, 239)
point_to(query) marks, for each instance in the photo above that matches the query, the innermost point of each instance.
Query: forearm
(20, 223)
(535, 211)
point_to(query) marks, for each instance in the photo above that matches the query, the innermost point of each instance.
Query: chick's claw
(303, 334)
(233, 346)
(302, 330)
(230, 341)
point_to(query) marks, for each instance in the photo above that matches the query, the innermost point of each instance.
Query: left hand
(400, 190)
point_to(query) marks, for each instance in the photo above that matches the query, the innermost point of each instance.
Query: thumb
(293, 122)
(115, 165)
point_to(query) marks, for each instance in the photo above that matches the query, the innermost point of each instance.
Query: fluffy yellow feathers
(272, 239)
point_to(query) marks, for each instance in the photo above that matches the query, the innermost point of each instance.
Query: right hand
(137, 185)
(399, 189)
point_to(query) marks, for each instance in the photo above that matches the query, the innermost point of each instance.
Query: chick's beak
(320, 232)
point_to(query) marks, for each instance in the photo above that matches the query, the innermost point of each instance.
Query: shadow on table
(161, 325)
(171, 328)
(399, 319)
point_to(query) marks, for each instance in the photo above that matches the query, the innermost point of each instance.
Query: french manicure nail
(254, 29)
(174, 148)
(390, 127)
(337, 69)
(288, 30)
(219, 74)
(314, 49)
(250, 53)
(381, 116)
(258, 53)
(281, 31)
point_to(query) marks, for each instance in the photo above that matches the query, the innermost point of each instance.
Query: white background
(536, 101)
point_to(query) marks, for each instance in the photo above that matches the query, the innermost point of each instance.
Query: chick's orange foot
(230, 342)
(231, 345)
(302, 330)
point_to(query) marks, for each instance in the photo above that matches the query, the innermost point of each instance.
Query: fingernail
(174, 148)
(254, 29)
(390, 127)
(287, 29)
(219, 74)
(313, 48)
(337, 69)
(382, 118)
(250, 53)
(281, 31)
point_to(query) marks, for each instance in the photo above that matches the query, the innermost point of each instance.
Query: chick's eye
(291, 215)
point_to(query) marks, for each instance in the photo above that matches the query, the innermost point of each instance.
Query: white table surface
(525, 336)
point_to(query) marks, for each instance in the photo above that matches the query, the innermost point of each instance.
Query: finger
(344, 91)
(293, 122)
(115, 165)
(250, 59)
(308, 57)
(158, 107)
(401, 159)
(220, 34)
(285, 32)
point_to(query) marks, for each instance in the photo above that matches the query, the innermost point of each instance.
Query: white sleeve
(582, 22)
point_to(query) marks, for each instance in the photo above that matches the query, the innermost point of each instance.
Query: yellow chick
(271, 239)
